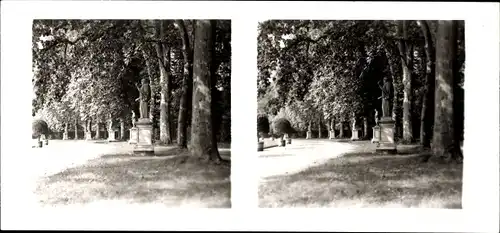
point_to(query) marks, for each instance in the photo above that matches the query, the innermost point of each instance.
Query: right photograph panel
(360, 113)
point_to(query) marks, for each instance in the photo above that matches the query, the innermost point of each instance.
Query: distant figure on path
(386, 92)
(144, 97)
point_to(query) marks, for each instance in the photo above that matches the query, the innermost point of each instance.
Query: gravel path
(299, 155)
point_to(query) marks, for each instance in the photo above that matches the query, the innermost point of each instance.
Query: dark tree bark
(187, 82)
(202, 143)
(163, 56)
(406, 55)
(445, 147)
(427, 114)
(341, 133)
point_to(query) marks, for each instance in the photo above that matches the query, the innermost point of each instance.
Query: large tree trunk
(333, 127)
(341, 133)
(365, 127)
(89, 127)
(213, 76)
(76, 129)
(444, 145)
(187, 81)
(122, 128)
(427, 114)
(319, 129)
(202, 142)
(309, 130)
(163, 56)
(406, 55)
(98, 130)
(66, 126)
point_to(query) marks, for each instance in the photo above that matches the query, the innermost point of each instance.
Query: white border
(480, 195)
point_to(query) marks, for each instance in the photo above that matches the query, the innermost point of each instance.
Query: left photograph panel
(132, 112)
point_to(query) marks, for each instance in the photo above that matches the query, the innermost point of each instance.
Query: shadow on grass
(276, 155)
(173, 181)
(270, 146)
(368, 180)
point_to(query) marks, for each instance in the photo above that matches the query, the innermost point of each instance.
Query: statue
(386, 92)
(144, 97)
(353, 121)
(376, 117)
(133, 119)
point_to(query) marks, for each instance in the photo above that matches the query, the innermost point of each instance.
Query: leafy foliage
(39, 127)
(262, 124)
(282, 126)
(88, 69)
(315, 70)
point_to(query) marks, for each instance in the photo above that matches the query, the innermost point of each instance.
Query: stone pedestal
(134, 136)
(144, 144)
(111, 135)
(331, 134)
(65, 136)
(386, 143)
(260, 146)
(355, 134)
(308, 134)
(88, 135)
(376, 134)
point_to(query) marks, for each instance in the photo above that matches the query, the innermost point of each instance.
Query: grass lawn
(364, 179)
(173, 181)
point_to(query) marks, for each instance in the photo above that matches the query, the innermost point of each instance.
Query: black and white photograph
(361, 113)
(132, 111)
(371, 116)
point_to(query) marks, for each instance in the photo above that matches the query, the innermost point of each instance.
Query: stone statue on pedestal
(144, 97)
(386, 95)
(133, 119)
(386, 129)
(376, 117)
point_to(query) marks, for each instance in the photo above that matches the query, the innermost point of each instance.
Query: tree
(202, 144)
(427, 116)
(187, 88)
(262, 124)
(444, 144)
(163, 56)
(406, 56)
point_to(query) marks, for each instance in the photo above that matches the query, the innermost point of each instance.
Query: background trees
(328, 71)
(86, 71)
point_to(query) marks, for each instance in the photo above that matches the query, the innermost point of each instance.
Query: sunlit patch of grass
(368, 180)
(173, 181)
